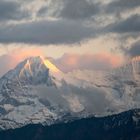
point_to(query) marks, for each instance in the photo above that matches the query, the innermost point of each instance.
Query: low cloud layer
(101, 61)
(75, 99)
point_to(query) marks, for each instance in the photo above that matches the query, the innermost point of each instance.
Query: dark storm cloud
(72, 9)
(134, 50)
(121, 5)
(11, 11)
(46, 32)
(42, 11)
(79, 9)
(67, 29)
(131, 24)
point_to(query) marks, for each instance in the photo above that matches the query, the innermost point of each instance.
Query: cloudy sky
(75, 34)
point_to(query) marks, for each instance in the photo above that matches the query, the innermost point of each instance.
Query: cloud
(100, 61)
(66, 63)
(11, 10)
(129, 25)
(42, 11)
(118, 6)
(65, 21)
(46, 32)
(70, 9)
(65, 29)
(134, 50)
(74, 98)
(79, 9)
(11, 59)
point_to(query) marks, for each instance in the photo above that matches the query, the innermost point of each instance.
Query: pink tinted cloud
(11, 59)
(100, 61)
(68, 62)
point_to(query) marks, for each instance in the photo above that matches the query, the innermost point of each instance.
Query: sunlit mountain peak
(36, 70)
(50, 65)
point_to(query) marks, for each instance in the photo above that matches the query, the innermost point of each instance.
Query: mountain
(116, 127)
(16, 101)
(37, 92)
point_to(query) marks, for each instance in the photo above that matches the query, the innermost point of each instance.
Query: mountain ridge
(32, 93)
(120, 126)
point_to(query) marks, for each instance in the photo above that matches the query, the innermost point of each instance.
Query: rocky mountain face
(123, 126)
(37, 92)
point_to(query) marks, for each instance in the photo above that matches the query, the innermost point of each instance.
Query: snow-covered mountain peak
(34, 65)
(32, 93)
(53, 70)
(32, 70)
(31, 67)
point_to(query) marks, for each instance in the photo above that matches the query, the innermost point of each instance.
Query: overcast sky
(78, 34)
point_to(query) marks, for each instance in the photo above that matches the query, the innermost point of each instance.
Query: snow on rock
(36, 91)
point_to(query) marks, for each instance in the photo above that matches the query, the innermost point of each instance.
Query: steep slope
(36, 91)
(18, 105)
